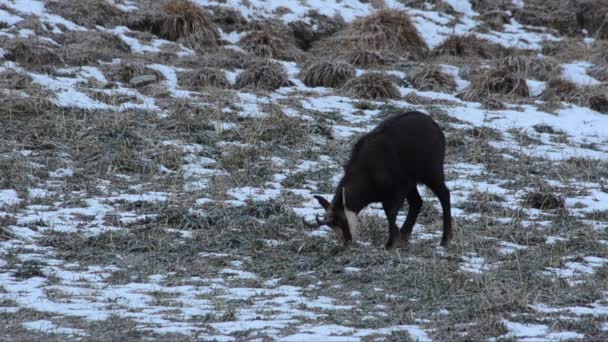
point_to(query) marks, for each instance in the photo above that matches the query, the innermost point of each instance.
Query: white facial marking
(351, 216)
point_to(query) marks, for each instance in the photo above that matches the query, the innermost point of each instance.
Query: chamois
(385, 166)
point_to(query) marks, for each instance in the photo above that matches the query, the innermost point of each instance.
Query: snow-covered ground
(313, 291)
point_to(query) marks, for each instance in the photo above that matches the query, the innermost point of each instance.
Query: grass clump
(594, 97)
(432, 78)
(543, 200)
(203, 78)
(126, 70)
(267, 43)
(327, 74)
(263, 75)
(317, 27)
(494, 82)
(12, 79)
(87, 13)
(540, 68)
(469, 46)
(385, 30)
(599, 72)
(179, 20)
(366, 58)
(373, 86)
(33, 53)
(89, 47)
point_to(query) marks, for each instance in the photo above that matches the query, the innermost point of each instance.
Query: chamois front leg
(391, 208)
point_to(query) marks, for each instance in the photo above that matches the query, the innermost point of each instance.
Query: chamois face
(336, 219)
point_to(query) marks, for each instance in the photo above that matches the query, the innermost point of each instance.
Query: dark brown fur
(385, 165)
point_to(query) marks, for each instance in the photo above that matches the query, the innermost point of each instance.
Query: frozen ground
(200, 251)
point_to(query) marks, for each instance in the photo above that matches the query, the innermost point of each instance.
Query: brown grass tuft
(319, 26)
(89, 47)
(367, 58)
(373, 86)
(469, 46)
(327, 74)
(33, 53)
(200, 79)
(223, 58)
(599, 72)
(544, 200)
(266, 43)
(495, 82)
(540, 68)
(179, 20)
(264, 75)
(88, 13)
(567, 17)
(229, 19)
(385, 30)
(126, 70)
(594, 97)
(432, 78)
(12, 79)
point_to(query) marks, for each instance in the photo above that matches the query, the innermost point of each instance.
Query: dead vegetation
(33, 53)
(594, 97)
(534, 67)
(373, 86)
(327, 74)
(181, 21)
(12, 79)
(469, 46)
(319, 26)
(228, 19)
(543, 200)
(432, 78)
(599, 72)
(126, 70)
(263, 75)
(495, 82)
(385, 30)
(90, 47)
(268, 43)
(87, 13)
(368, 58)
(567, 17)
(200, 79)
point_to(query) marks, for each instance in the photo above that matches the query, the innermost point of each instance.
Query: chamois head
(337, 217)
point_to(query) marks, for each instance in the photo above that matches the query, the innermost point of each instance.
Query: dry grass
(373, 86)
(432, 78)
(539, 68)
(179, 20)
(599, 72)
(327, 74)
(469, 46)
(385, 30)
(263, 75)
(319, 26)
(200, 79)
(568, 17)
(543, 200)
(269, 43)
(224, 59)
(126, 70)
(368, 58)
(228, 19)
(594, 97)
(495, 82)
(88, 13)
(89, 47)
(12, 79)
(33, 53)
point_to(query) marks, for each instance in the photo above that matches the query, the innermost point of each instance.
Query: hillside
(156, 159)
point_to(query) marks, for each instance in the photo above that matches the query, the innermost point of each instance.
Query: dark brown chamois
(385, 165)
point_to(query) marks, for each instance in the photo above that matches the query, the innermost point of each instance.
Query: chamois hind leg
(391, 209)
(415, 203)
(441, 191)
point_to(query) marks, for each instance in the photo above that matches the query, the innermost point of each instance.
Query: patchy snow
(472, 263)
(577, 73)
(537, 332)
(49, 327)
(9, 197)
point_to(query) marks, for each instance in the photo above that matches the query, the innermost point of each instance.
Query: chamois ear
(322, 201)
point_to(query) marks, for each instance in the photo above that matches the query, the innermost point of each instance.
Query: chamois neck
(347, 190)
